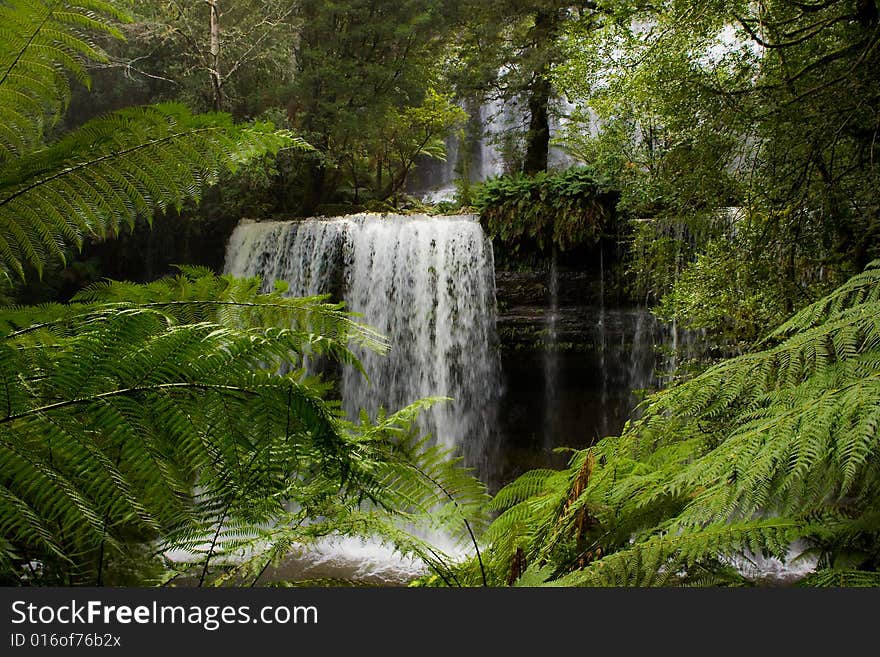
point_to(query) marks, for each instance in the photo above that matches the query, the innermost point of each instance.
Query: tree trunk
(538, 137)
(216, 78)
(544, 31)
(314, 191)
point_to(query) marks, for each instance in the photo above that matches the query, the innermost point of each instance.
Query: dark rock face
(600, 360)
(532, 288)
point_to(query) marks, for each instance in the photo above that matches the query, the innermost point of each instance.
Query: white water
(426, 283)
(551, 359)
(305, 254)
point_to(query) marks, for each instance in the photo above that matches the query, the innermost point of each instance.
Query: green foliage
(842, 579)
(655, 254)
(382, 156)
(115, 412)
(561, 209)
(166, 56)
(156, 414)
(752, 456)
(369, 94)
(505, 51)
(414, 489)
(733, 287)
(726, 293)
(111, 170)
(196, 296)
(41, 43)
(668, 148)
(177, 415)
(770, 108)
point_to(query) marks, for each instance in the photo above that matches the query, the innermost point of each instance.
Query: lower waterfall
(426, 283)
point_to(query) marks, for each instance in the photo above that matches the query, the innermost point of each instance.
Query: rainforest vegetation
(729, 151)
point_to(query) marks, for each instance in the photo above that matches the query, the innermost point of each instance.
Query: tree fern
(668, 558)
(861, 289)
(410, 495)
(130, 420)
(42, 42)
(133, 162)
(758, 454)
(197, 295)
(94, 436)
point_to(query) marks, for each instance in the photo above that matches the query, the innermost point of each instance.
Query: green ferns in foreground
(176, 415)
(762, 453)
(104, 174)
(162, 423)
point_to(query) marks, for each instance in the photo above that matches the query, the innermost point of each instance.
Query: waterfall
(501, 125)
(603, 345)
(427, 284)
(304, 254)
(551, 358)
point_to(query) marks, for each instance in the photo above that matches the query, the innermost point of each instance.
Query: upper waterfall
(426, 283)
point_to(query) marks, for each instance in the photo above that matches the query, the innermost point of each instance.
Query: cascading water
(551, 358)
(428, 285)
(304, 254)
(435, 179)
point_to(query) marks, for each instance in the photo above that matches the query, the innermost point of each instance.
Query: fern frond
(754, 454)
(111, 170)
(664, 559)
(860, 289)
(165, 412)
(842, 579)
(197, 295)
(42, 42)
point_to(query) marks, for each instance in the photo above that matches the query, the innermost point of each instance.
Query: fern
(134, 419)
(133, 162)
(755, 454)
(197, 295)
(42, 42)
(563, 209)
(861, 289)
(93, 180)
(842, 579)
(667, 558)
